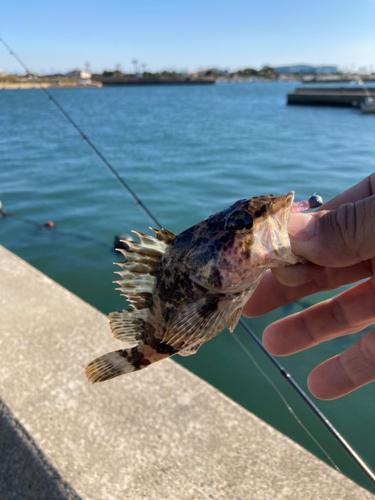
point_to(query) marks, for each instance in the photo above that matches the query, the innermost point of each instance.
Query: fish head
(238, 243)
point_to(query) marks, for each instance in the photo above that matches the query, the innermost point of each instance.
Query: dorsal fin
(164, 235)
(138, 280)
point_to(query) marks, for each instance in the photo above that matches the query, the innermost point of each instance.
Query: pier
(161, 433)
(337, 78)
(153, 80)
(330, 96)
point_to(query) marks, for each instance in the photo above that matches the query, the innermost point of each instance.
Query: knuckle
(358, 362)
(335, 230)
(322, 282)
(338, 312)
(347, 230)
(348, 372)
(304, 327)
(366, 347)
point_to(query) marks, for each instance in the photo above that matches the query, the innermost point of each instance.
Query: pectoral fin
(195, 321)
(234, 319)
(188, 351)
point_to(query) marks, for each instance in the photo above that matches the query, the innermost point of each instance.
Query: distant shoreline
(105, 82)
(33, 85)
(96, 84)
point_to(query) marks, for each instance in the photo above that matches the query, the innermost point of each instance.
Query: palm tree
(135, 62)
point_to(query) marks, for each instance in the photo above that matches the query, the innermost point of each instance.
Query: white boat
(368, 105)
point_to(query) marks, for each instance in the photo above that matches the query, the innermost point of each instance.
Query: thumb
(335, 238)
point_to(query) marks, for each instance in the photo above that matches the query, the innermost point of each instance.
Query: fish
(184, 290)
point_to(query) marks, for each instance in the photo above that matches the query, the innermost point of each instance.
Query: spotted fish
(185, 289)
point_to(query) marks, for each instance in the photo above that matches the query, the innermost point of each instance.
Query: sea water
(187, 151)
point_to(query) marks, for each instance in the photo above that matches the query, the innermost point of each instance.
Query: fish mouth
(278, 224)
(272, 240)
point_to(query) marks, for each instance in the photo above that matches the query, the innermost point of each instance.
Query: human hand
(339, 243)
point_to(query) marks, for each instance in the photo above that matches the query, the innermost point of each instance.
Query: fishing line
(193, 198)
(284, 373)
(335, 433)
(137, 200)
(283, 399)
(47, 227)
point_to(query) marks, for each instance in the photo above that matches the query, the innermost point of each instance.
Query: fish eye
(239, 222)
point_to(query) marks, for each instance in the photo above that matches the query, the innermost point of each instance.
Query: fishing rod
(137, 200)
(305, 398)
(334, 432)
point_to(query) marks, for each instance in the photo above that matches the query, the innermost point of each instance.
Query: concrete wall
(161, 433)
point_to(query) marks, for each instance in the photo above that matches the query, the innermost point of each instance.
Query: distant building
(305, 69)
(85, 81)
(326, 70)
(2, 72)
(83, 75)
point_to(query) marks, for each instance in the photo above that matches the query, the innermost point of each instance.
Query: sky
(59, 36)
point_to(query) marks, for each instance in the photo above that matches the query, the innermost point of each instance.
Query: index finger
(271, 294)
(349, 312)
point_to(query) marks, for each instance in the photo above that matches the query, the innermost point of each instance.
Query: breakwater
(153, 80)
(334, 96)
(337, 78)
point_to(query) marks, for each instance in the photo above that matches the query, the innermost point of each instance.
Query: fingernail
(302, 226)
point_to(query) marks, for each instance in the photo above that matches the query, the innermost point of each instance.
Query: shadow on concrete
(25, 473)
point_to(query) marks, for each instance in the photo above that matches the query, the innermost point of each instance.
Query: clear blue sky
(60, 35)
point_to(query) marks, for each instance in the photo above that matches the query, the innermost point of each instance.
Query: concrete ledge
(24, 471)
(161, 433)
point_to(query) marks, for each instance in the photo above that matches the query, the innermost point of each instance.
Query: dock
(337, 78)
(153, 80)
(158, 434)
(330, 96)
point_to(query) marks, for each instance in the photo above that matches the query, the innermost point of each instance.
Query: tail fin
(114, 364)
